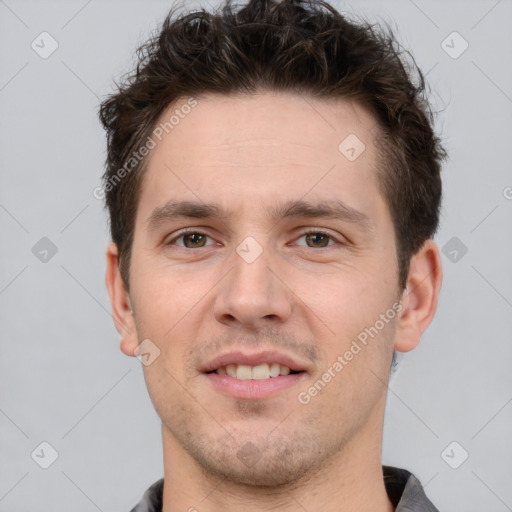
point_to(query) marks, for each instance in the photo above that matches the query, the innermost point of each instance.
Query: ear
(120, 300)
(419, 299)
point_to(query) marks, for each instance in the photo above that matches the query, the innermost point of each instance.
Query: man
(273, 183)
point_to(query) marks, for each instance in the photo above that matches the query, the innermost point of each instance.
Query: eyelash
(190, 231)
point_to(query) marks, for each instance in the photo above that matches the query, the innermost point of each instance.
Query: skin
(302, 296)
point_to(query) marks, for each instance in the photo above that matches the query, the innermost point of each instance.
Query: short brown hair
(301, 46)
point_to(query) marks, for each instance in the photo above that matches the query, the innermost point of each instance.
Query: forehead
(261, 149)
(285, 121)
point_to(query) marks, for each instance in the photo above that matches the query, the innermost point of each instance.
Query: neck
(349, 480)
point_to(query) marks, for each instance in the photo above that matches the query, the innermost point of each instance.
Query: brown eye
(193, 240)
(190, 240)
(317, 239)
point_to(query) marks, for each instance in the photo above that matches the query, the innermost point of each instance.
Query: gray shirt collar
(403, 488)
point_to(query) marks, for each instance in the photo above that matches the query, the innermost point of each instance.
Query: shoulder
(152, 499)
(405, 491)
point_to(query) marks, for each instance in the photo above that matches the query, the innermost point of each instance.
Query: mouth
(254, 376)
(259, 372)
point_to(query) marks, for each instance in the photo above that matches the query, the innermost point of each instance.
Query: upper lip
(253, 359)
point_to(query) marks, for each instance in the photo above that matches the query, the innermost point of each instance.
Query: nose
(253, 295)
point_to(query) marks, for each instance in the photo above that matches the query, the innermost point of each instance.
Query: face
(262, 248)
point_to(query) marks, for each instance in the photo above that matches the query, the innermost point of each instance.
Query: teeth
(284, 370)
(243, 372)
(275, 369)
(259, 372)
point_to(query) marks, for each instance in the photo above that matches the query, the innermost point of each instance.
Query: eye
(317, 239)
(190, 240)
(193, 239)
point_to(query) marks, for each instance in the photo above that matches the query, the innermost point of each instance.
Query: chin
(265, 473)
(257, 463)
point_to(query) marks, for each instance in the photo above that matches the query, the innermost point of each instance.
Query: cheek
(347, 298)
(349, 308)
(162, 297)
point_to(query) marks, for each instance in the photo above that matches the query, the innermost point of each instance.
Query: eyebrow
(328, 209)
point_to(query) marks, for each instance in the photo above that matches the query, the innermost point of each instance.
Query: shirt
(404, 491)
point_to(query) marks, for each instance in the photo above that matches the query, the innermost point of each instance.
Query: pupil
(195, 238)
(316, 236)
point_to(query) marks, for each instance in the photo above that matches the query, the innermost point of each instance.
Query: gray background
(63, 377)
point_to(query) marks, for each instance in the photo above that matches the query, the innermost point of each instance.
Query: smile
(259, 372)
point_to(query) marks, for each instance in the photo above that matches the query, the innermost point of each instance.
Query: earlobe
(122, 312)
(419, 299)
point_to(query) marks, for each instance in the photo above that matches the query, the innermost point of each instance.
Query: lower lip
(253, 389)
